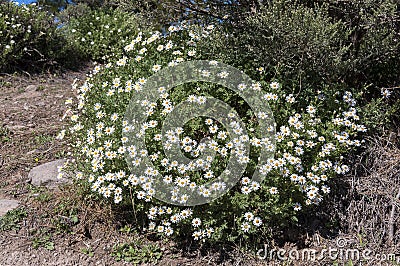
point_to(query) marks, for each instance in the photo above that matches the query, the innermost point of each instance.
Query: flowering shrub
(29, 36)
(100, 34)
(308, 144)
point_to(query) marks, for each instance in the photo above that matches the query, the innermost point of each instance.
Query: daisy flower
(257, 221)
(196, 222)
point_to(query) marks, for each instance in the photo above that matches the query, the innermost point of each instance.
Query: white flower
(160, 229)
(175, 218)
(246, 190)
(273, 190)
(201, 100)
(156, 68)
(297, 206)
(223, 74)
(196, 222)
(249, 216)
(257, 221)
(245, 180)
(311, 109)
(274, 85)
(169, 231)
(386, 93)
(245, 226)
(197, 235)
(242, 87)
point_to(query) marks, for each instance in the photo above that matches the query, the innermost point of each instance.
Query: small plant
(43, 139)
(64, 218)
(88, 251)
(4, 134)
(39, 193)
(126, 229)
(136, 252)
(12, 219)
(43, 240)
(44, 197)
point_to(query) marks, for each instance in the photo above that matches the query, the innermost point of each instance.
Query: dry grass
(374, 211)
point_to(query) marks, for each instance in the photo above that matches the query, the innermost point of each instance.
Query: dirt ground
(56, 232)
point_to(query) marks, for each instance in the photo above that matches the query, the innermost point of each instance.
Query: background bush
(30, 39)
(321, 46)
(100, 34)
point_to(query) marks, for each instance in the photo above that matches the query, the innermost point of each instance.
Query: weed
(43, 240)
(4, 134)
(4, 183)
(42, 139)
(136, 252)
(88, 251)
(126, 229)
(40, 88)
(12, 219)
(44, 197)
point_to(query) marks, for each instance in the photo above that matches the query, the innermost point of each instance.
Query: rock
(30, 91)
(14, 128)
(31, 88)
(46, 174)
(7, 205)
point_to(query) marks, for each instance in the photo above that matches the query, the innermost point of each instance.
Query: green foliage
(64, 216)
(160, 14)
(53, 5)
(374, 41)
(382, 113)
(353, 42)
(12, 219)
(73, 11)
(43, 239)
(291, 42)
(101, 34)
(31, 39)
(87, 251)
(137, 252)
(323, 46)
(5, 134)
(44, 197)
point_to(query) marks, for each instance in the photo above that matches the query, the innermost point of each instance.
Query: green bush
(374, 41)
(100, 34)
(298, 44)
(310, 140)
(30, 39)
(325, 46)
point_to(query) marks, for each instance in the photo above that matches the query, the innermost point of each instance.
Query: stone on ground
(7, 205)
(46, 174)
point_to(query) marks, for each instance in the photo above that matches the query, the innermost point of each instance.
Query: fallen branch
(391, 218)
